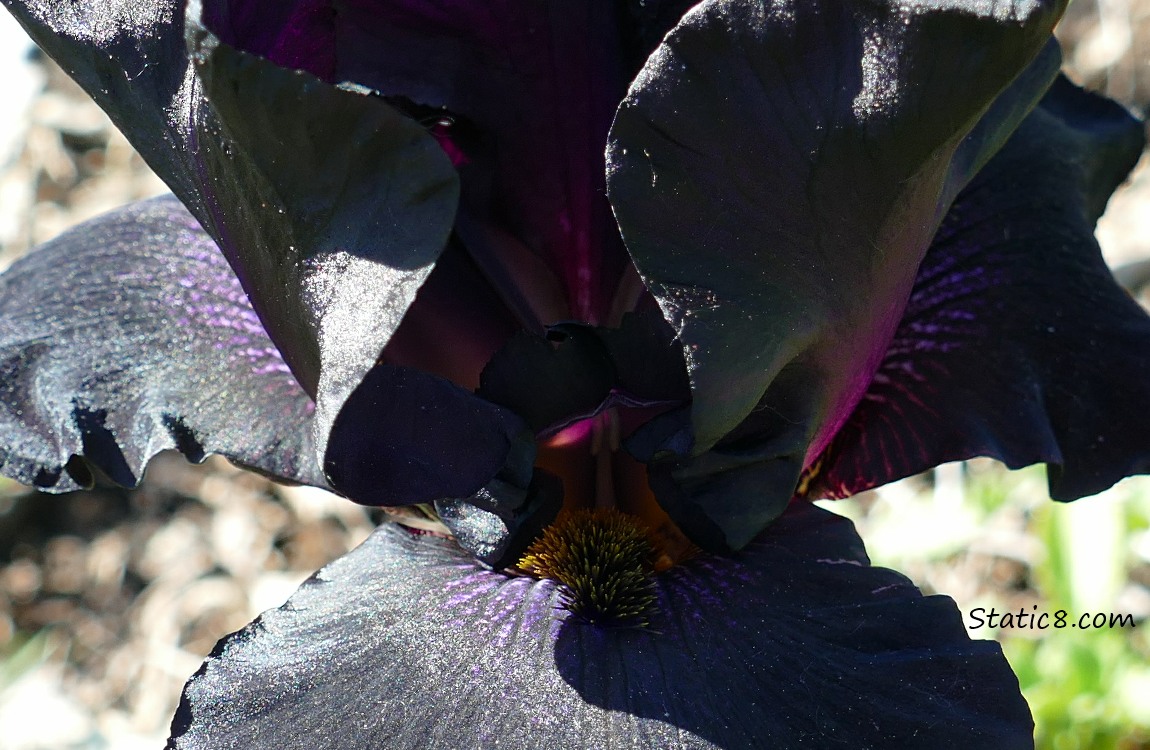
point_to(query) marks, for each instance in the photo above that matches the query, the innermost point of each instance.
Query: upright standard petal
(521, 94)
(778, 170)
(795, 642)
(315, 193)
(288, 173)
(1017, 342)
(320, 195)
(346, 206)
(130, 335)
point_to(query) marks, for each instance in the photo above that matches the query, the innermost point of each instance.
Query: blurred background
(110, 599)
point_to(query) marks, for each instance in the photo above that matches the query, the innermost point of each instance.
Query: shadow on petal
(780, 232)
(1017, 342)
(406, 643)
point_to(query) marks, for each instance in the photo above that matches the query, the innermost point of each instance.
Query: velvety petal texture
(407, 437)
(578, 370)
(1017, 342)
(130, 335)
(795, 642)
(778, 170)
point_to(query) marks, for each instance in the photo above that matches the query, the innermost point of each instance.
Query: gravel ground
(110, 599)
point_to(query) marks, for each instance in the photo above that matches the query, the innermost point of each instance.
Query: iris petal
(406, 643)
(314, 193)
(289, 174)
(406, 437)
(528, 87)
(363, 237)
(781, 231)
(129, 335)
(535, 84)
(331, 194)
(1017, 342)
(299, 35)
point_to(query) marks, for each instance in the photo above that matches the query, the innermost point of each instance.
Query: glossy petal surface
(314, 193)
(250, 148)
(342, 259)
(129, 335)
(781, 231)
(527, 89)
(406, 643)
(1017, 343)
(320, 194)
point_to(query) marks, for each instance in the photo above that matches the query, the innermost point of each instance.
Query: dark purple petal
(1017, 342)
(130, 335)
(577, 371)
(300, 182)
(778, 171)
(366, 232)
(368, 229)
(533, 85)
(497, 525)
(1000, 121)
(461, 313)
(648, 360)
(529, 88)
(795, 642)
(565, 376)
(407, 437)
(331, 205)
(298, 35)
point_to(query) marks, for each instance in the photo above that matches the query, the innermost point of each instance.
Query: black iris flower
(594, 296)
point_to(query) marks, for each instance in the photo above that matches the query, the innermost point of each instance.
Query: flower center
(597, 474)
(603, 560)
